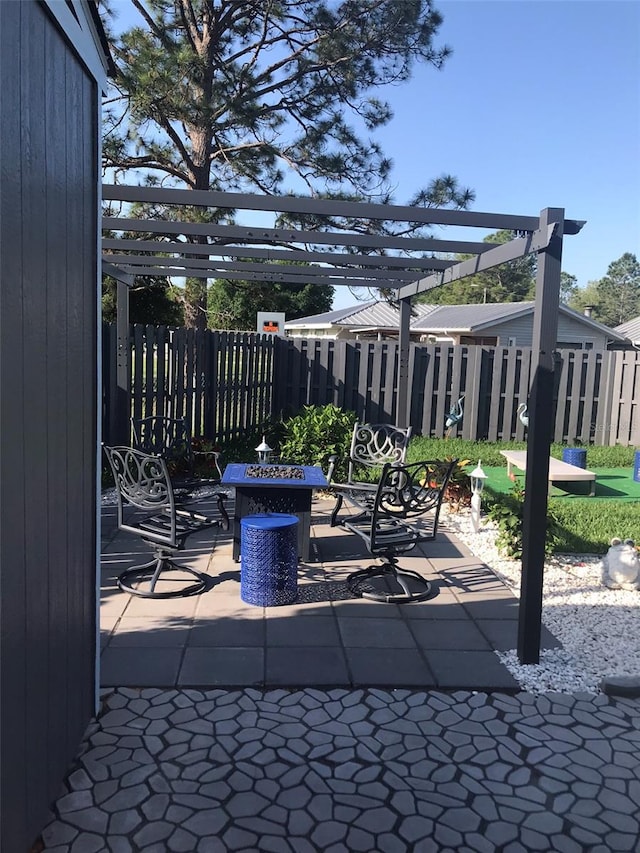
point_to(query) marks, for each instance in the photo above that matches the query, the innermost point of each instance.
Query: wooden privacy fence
(230, 383)
(222, 382)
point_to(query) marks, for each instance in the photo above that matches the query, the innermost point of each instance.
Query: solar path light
(264, 451)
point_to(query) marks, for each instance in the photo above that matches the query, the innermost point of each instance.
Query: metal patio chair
(171, 439)
(148, 509)
(405, 512)
(372, 446)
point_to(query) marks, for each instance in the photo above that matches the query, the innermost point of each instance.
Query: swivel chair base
(357, 583)
(150, 573)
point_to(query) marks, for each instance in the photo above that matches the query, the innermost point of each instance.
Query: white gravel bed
(598, 627)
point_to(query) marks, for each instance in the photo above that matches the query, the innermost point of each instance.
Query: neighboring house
(631, 332)
(374, 319)
(488, 324)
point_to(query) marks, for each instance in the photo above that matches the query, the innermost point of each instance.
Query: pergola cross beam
(223, 250)
(287, 236)
(496, 256)
(271, 271)
(326, 207)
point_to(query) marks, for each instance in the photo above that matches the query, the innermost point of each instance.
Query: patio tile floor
(326, 637)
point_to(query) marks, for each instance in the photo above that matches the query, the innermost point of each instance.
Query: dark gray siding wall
(48, 227)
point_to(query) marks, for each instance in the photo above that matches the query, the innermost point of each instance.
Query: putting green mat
(611, 484)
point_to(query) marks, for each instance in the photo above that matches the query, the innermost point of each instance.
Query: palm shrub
(458, 491)
(315, 434)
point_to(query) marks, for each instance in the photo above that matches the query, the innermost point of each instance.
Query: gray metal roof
(376, 314)
(467, 318)
(382, 314)
(439, 318)
(630, 329)
(340, 316)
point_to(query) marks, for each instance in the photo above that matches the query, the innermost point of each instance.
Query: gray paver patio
(326, 637)
(335, 724)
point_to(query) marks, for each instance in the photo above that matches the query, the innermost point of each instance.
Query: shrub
(507, 511)
(317, 433)
(458, 491)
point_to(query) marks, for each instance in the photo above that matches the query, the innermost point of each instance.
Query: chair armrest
(347, 488)
(332, 467)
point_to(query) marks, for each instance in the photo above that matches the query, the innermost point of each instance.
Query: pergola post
(119, 410)
(402, 396)
(545, 333)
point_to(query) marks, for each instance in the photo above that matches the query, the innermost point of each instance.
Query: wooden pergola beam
(223, 250)
(499, 254)
(272, 276)
(327, 207)
(251, 234)
(218, 269)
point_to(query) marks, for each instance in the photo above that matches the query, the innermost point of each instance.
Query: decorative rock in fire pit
(274, 472)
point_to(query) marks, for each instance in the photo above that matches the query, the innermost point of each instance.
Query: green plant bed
(581, 525)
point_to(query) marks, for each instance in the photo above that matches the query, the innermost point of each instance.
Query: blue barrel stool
(269, 559)
(575, 456)
(636, 466)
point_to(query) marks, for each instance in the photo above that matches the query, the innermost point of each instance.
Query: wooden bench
(559, 471)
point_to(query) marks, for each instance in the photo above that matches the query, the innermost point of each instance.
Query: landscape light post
(477, 485)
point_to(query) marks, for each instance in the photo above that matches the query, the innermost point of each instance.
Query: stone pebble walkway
(341, 770)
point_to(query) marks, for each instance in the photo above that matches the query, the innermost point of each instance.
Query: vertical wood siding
(48, 423)
(228, 383)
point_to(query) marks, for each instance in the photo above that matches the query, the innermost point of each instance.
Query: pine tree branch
(159, 32)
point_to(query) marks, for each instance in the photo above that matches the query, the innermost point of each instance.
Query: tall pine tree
(266, 95)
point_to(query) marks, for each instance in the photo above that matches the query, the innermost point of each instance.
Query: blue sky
(539, 106)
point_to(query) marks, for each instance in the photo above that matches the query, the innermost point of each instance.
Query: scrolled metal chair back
(409, 491)
(373, 445)
(141, 479)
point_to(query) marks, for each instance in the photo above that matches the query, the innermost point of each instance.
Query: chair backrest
(407, 504)
(166, 437)
(143, 484)
(374, 445)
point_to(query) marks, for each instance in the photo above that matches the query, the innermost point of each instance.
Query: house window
(511, 342)
(481, 342)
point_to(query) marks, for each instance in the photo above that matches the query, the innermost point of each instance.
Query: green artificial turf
(611, 483)
(616, 483)
(584, 524)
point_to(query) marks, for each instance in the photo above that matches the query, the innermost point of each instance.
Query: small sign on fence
(270, 323)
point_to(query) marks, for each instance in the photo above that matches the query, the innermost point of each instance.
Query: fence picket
(230, 383)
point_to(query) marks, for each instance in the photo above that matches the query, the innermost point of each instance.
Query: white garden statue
(620, 566)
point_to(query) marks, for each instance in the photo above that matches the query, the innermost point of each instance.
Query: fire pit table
(264, 488)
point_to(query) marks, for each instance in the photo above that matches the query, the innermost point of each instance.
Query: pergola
(353, 257)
